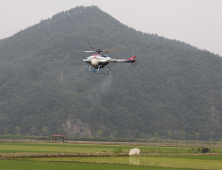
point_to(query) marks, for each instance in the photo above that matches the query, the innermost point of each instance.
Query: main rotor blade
(99, 50)
(89, 51)
(85, 51)
(115, 49)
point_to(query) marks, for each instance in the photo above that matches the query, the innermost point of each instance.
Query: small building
(58, 137)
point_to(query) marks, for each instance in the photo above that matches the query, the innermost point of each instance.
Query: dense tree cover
(174, 92)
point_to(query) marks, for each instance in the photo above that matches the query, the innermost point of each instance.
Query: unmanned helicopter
(98, 61)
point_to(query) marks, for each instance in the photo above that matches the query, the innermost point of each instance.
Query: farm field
(88, 148)
(55, 156)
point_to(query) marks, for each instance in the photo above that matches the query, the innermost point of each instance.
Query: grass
(16, 156)
(82, 148)
(193, 162)
(33, 165)
(51, 147)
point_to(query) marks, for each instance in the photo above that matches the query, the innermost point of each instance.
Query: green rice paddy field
(56, 156)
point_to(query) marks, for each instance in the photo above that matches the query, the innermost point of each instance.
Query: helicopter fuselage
(97, 60)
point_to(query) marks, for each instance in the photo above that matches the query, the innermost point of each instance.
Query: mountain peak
(80, 10)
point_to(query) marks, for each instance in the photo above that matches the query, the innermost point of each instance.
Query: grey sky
(196, 22)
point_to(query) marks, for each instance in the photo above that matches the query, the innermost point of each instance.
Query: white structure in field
(134, 151)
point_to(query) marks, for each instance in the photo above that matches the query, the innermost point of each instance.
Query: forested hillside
(175, 91)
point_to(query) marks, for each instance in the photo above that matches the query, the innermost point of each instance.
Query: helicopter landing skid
(99, 70)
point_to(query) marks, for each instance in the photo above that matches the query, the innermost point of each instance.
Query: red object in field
(60, 137)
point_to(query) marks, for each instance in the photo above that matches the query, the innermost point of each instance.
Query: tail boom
(131, 60)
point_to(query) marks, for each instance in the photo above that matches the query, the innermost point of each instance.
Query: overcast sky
(196, 22)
